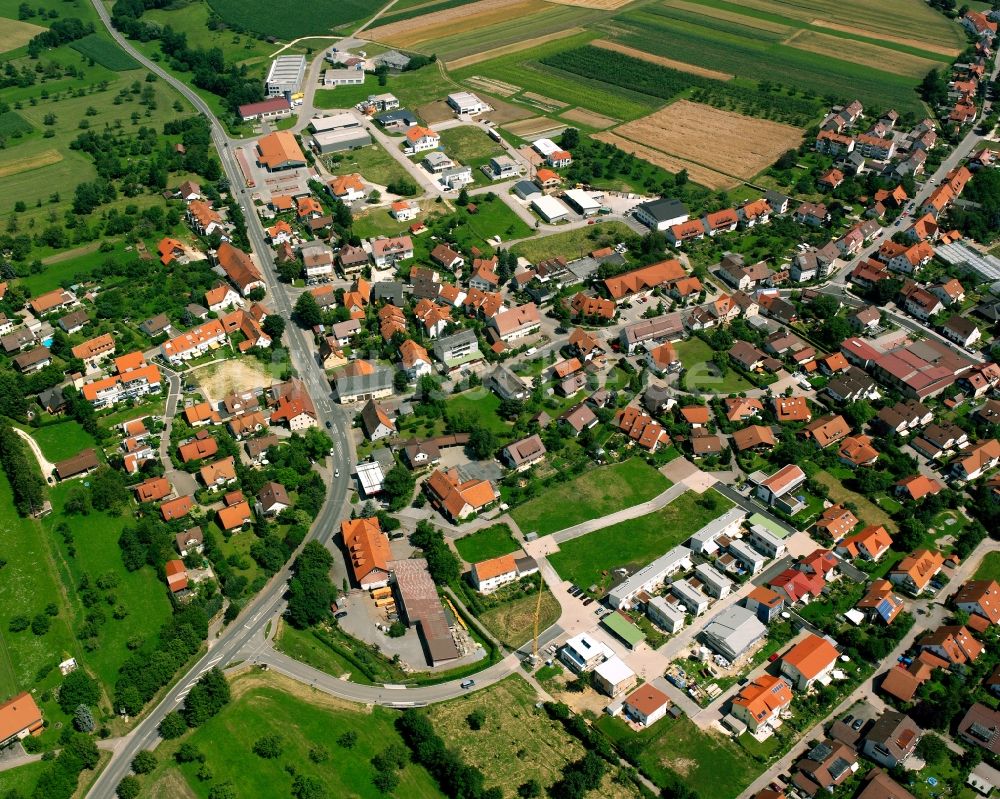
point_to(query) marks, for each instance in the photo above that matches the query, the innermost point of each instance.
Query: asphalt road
(258, 612)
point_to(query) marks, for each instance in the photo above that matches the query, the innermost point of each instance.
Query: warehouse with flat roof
(284, 78)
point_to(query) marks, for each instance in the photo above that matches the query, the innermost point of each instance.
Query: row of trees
(310, 592)
(22, 472)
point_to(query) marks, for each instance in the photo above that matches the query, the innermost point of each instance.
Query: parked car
(468, 683)
(858, 724)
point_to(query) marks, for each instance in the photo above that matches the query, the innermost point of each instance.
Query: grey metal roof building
(733, 631)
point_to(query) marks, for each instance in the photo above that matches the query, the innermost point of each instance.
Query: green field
(633, 543)
(193, 19)
(481, 405)
(760, 55)
(304, 719)
(513, 622)
(323, 17)
(28, 583)
(593, 494)
(141, 592)
(13, 125)
(374, 164)
(518, 741)
(21, 781)
(105, 52)
(490, 542)
(989, 567)
(345, 96)
(702, 375)
(525, 71)
(61, 440)
(573, 243)
(706, 762)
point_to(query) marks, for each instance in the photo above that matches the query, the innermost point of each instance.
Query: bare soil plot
(513, 47)
(894, 61)
(589, 118)
(506, 112)
(15, 33)
(472, 16)
(533, 127)
(923, 44)
(542, 100)
(435, 112)
(701, 175)
(724, 141)
(681, 66)
(36, 161)
(218, 380)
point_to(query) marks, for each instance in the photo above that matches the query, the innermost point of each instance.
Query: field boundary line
(680, 66)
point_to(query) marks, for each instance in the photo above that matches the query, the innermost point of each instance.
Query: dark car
(340, 614)
(329, 425)
(588, 600)
(858, 724)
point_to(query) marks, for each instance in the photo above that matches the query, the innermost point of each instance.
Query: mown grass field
(373, 162)
(517, 743)
(13, 125)
(490, 542)
(307, 719)
(469, 145)
(573, 243)
(702, 375)
(634, 543)
(867, 511)
(21, 781)
(707, 763)
(61, 440)
(105, 52)
(593, 494)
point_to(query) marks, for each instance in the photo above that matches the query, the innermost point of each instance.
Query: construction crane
(538, 615)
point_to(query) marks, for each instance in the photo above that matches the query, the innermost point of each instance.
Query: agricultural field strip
(514, 47)
(739, 13)
(759, 60)
(670, 63)
(860, 53)
(701, 175)
(480, 14)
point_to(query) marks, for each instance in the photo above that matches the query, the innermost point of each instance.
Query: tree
(128, 788)
(209, 695)
(107, 489)
(40, 624)
(570, 139)
(932, 748)
(274, 326)
(442, 563)
(463, 198)
(347, 740)
(476, 719)
(398, 487)
(529, 789)
(310, 591)
(386, 781)
(269, 747)
(223, 790)
(482, 443)
(400, 381)
(304, 787)
(306, 313)
(189, 753)
(172, 726)
(83, 719)
(144, 762)
(78, 689)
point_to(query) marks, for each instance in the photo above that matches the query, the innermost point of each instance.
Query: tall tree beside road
(22, 471)
(274, 326)
(398, 486)
(306, 313)
(310, 591)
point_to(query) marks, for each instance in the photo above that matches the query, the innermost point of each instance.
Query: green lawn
(304, 646)
(703, 375)
(490, 542)
(989, 567)
(634, 543)
(304, 719)
(482, 406)
(709, 764)
(595, 493)
(469, 145)
(573, 243)
(141, 593)
(346, 96)
(492, 218)
(373, 162)
(21, 781)
(513, 622)
(61, 440)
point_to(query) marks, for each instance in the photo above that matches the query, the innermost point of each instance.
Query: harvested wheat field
(642, 55)
(493, 86)
(911, 66)
(36, 161)
(472, 16)
(701, 175)
(589, 118)
(16, 33)
(724, 141)
(219, 379)
(507, 49)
